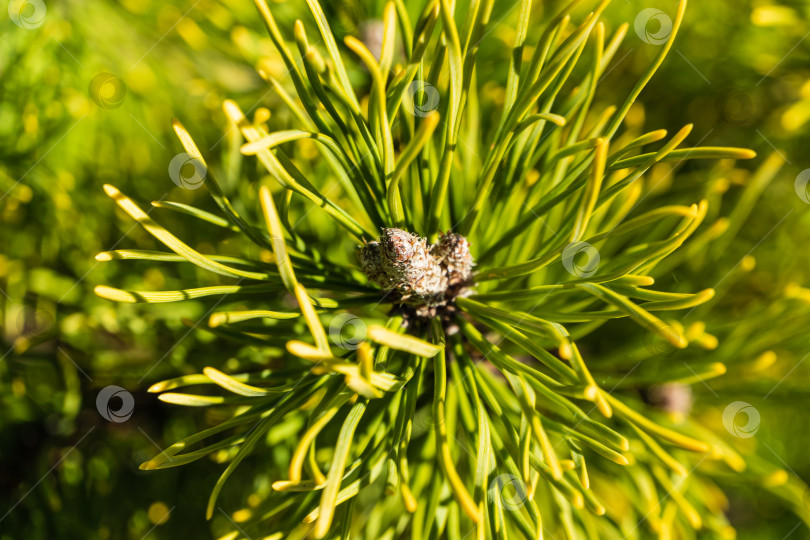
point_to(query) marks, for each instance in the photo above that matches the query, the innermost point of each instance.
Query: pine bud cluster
(426, 277)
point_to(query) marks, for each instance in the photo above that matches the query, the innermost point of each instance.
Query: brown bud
(426, 278)
(453, 253)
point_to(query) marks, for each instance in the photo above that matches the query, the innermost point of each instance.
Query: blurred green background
(739, 71)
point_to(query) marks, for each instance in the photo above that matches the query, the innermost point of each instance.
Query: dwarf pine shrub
(428, 264)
